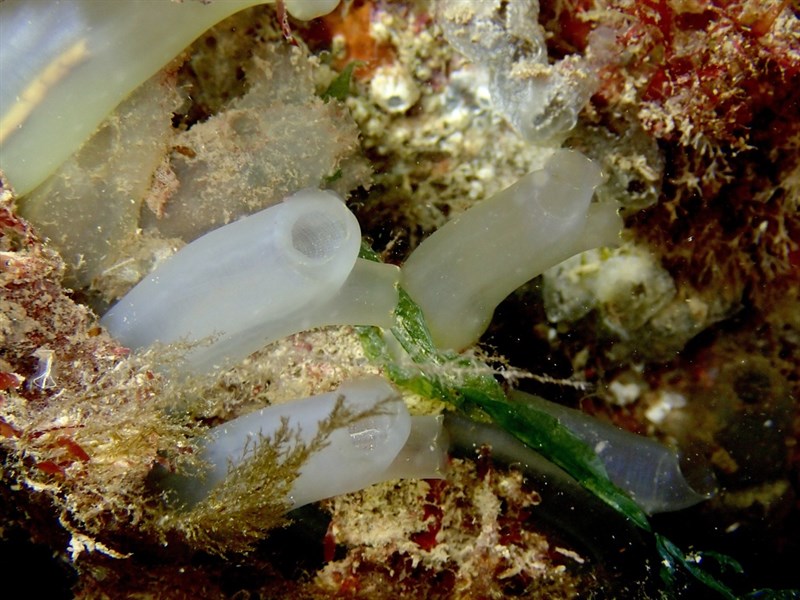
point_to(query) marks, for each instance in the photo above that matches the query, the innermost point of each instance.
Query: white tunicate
(424, 455)
(377, 447)
(256, 280)
(368, 297)
(462, 272)
(66, 64)
(649, 471)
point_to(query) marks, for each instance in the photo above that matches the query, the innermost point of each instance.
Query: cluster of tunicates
(295, 266)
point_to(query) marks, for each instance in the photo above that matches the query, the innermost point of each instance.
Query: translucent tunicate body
(377, 447)
(66, 64)
(245, 284)
(462, 272)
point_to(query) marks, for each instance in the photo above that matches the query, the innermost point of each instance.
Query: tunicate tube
(462, 271)
(610, 538)
(285, 269)
(649, 471)
(66, 64)
(375, 448)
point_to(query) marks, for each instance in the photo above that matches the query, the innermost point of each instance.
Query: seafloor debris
(472, 538)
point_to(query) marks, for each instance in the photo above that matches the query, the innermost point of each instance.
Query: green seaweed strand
(481, 396)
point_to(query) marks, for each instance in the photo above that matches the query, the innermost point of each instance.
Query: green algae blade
(339, 88)
(471, 388)
(464, 382)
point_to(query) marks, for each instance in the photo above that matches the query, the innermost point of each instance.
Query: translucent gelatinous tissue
(540, 99)
(375, 448)
(285, 269)
(649, 471)
(462, 272)
(66, 65)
